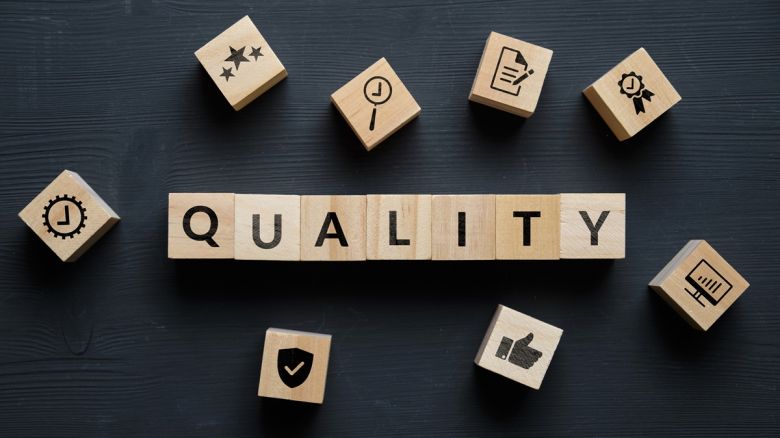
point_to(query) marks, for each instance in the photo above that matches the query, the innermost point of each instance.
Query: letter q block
(518, 347)
(241, 63)
(200, 225)
(69, 216)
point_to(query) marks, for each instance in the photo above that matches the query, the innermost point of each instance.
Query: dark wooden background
(127, 343)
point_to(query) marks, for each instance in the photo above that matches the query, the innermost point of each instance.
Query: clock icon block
(69, 216)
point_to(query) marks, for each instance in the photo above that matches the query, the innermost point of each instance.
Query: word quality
(396, 227)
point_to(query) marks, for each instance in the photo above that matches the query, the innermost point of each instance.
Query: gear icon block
(64, 227)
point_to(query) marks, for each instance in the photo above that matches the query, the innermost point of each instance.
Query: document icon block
(510, 75)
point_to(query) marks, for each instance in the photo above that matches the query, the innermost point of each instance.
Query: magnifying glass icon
(377, 91)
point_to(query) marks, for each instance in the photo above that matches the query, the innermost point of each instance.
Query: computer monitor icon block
(708, 283)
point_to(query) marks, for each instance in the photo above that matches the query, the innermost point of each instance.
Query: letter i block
(518, 347)
(399, 227)
(593, 226)
(463, 227)
(632, 95)
(510, 75)
(241, 63)
(375, 104)
(200, 225)
(333, 228)
(268, 227)
(294, 365)
(699, 284)
(528, 227)
(69, 216)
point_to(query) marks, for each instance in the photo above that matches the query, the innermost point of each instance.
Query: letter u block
(268, 227)
(200, 225)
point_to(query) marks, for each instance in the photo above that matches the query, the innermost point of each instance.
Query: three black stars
(237, 57)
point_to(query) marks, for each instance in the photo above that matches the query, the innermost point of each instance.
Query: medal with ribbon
(631, 85)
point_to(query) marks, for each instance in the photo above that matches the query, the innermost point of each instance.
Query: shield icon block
(294, 366)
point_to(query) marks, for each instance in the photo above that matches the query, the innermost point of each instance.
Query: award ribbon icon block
(375, 104)
(632, 95)
(69, 216)
(510, 75)
(699, 284)
(294, 365)
(518, 347)
(241, 63)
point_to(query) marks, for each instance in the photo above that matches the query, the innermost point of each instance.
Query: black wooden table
(127, 343)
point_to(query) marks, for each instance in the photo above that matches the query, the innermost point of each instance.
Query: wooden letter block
(593, 226)
(200, 225)
(632, 95)
(333, 228)
(375, 103)
(528, 227)
(463, 227)
(294, 365)
(69, 216)
(518, 347)
(399, 227)
(268, 227)
(699, 284)
(510, 75)
(241, 63)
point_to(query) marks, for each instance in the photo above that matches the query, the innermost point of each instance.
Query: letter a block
(528, 227)
(69, 216)
(241, 63)
(632, 95)
(375, 104)
(268, 227)
(463, 227)
(333, 228)
(200, 225)
(399, 227)
(699, 284)
(518, 347)
(294, 365)
(510, 75)
(593, 226)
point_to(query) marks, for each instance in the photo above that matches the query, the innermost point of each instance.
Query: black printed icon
(377, 91)
(64, 216)
(522, 354)
(708, 283)
(227, 73)
(255, 53)
(294, 366)
(632, 86)
(511, 70)
(237, 56)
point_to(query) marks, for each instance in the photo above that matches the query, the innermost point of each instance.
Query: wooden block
(593, 226)
(268, 227)
(528, 227)
(241, 63)
(375, 104)
(463, 227)
(510, 75)
(200, 225)
(699, 284)
(69, 216)
(399, 227)
(333, 228)
(294, 365)
(632, 95)
(518, 347)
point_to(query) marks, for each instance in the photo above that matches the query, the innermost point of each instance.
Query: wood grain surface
(127, 343)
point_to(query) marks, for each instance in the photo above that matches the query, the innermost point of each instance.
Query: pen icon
(511, 70)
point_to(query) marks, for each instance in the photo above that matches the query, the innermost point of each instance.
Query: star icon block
(241, 63)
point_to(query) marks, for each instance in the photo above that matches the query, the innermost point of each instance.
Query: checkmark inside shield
(294, 366)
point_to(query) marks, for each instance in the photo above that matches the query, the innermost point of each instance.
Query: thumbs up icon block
(518, 347)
